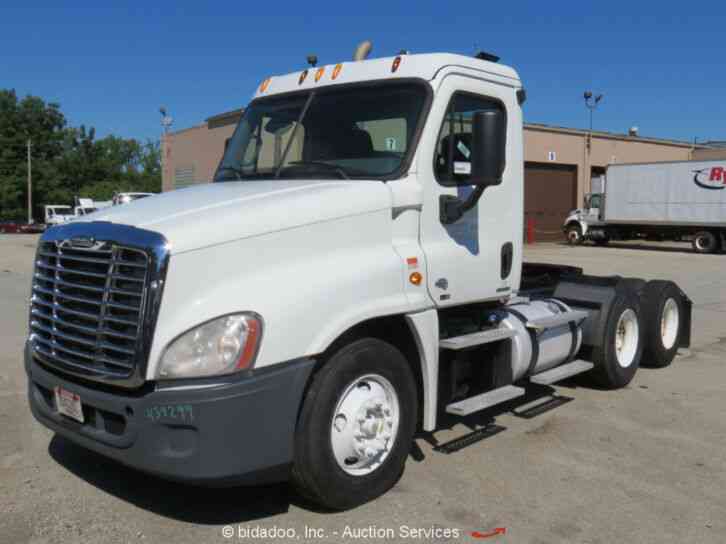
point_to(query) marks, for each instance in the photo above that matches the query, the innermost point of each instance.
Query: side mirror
(488, 161)
(489, 143)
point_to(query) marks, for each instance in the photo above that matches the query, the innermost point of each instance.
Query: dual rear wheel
(644, 325)
(705, 242)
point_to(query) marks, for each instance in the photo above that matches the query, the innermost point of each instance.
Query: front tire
(618, 358)
(663, 314)
(574, 235)
(356, 425)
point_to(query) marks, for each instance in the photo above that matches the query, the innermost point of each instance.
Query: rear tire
(356, 426)
(705, 242)
(618, 358)
(574, 235)
(663, 315)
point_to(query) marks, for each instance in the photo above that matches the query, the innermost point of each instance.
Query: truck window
(595, 201)
(386, 134)
(360, 131)
(452, 162)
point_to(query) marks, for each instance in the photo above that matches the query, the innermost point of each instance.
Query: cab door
(478, 257)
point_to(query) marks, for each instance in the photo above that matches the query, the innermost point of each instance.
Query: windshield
(362, 131)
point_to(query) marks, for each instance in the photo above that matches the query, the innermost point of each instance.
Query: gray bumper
(237, 432)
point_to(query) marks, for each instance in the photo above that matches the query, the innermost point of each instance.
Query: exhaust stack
(362, 51)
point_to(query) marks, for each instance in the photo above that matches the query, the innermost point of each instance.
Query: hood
(214, 213)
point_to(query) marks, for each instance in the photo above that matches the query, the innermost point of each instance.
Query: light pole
(591, 102)
(166, 122)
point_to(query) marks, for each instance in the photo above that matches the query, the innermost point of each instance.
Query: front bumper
(239, 431)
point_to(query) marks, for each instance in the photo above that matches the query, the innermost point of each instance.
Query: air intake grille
(87, 307)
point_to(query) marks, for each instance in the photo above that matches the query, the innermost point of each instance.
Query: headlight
(221, 346)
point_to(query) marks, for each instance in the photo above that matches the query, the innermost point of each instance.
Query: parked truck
(665, 201)
(57, 215)
(354, 274)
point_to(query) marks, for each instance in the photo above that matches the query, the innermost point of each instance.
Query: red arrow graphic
(496, 532)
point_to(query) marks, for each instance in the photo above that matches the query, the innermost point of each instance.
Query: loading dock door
(550, 193)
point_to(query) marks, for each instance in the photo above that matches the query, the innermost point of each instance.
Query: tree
(67, 162)
(20, 120)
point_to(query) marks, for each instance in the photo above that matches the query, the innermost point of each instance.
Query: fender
(309, 284)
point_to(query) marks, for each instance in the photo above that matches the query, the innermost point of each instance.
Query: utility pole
(166, 122)
(30, 183)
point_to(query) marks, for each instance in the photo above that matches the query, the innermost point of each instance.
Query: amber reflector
(319, 74)
(415, 278)
(396, 64)
(302, 77)
(336, 70)
(265, 84)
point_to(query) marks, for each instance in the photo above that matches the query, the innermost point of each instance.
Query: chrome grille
(87, 306)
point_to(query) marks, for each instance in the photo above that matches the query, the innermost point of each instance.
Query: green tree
(67, 161)
(21, 120)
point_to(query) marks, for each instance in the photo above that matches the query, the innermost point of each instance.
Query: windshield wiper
(338, 169)
(294, 133)
(237, 171)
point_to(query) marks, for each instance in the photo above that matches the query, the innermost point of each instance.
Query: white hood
(214, 213)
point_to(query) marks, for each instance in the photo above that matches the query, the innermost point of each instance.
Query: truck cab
(578, 222)
(352, 273)
(57, 215)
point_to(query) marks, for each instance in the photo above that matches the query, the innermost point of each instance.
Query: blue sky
(111, 67)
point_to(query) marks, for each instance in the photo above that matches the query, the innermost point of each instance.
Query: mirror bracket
(451, 208)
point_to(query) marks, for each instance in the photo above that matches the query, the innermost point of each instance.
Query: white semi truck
(354, 274)
(667, 200)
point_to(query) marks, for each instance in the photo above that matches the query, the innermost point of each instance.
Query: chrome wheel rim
(669, 323)
(626, 338)
(573, 236)
(365, 424)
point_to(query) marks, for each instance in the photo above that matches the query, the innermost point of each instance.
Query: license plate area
(68, 403)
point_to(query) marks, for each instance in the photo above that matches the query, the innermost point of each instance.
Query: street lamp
(591, 102)
(166, 120)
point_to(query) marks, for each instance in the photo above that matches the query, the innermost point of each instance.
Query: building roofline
(188, 129)
(610, 135)
(224, 115)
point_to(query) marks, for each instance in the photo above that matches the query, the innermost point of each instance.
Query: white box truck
(354, 274)
(667, 200)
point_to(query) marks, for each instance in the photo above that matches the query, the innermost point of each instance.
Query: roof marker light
(319, 74)
(303, 75)
(396, 64)
(265, 84)
(336, 71)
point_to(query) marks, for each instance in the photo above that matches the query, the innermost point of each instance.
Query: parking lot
(643, 464)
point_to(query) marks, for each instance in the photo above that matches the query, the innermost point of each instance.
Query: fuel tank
(535, 351)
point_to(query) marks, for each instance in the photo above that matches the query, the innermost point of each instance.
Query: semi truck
(352, 277)
(665, 201)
